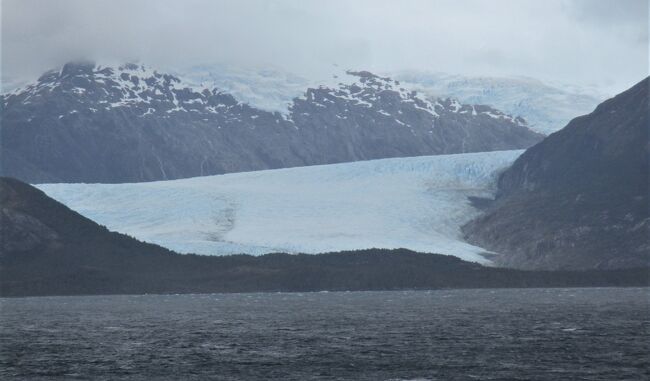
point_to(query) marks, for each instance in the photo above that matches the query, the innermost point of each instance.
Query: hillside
(578, 199)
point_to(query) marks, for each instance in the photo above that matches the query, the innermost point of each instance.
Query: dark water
(541, 334)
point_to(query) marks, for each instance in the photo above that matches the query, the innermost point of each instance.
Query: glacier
(547, 107)
(418, 203)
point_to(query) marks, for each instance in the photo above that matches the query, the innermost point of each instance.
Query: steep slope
(416, 203)
(546, 108)
(47, 249)
(579, 199)
(87, 123)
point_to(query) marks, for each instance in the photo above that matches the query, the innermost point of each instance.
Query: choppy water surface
(535, 334)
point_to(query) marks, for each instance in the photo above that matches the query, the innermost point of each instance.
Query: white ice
(417, 203)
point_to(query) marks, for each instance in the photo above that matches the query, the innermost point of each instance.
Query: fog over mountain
(581, 42)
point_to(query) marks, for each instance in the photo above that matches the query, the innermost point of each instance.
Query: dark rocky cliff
(578, 199)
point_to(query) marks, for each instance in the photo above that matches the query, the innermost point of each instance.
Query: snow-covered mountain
(129, 123)
(417, 203)
(546, 107)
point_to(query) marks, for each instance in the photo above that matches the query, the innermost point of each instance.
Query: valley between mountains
(134, 170)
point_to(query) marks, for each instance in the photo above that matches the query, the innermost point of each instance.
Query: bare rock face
(578, 199)
(87, 123)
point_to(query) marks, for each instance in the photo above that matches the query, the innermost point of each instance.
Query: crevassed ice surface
(417, 203)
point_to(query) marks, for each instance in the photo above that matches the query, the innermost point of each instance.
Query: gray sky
(584, 42)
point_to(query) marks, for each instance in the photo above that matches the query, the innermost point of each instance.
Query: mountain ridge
(131, 123)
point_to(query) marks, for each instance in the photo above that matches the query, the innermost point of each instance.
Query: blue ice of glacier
(417, 203)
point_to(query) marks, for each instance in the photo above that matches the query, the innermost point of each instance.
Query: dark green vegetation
(48, 249)
(578, 199)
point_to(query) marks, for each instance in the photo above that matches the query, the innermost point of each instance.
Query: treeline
(70, 273)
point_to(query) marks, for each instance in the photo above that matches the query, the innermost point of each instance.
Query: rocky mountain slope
(88, 123)
(578, 199)
(47, 249)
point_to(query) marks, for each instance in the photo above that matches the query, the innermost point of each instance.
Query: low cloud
(595, 42)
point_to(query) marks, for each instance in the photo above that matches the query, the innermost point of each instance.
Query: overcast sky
(584, 42)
